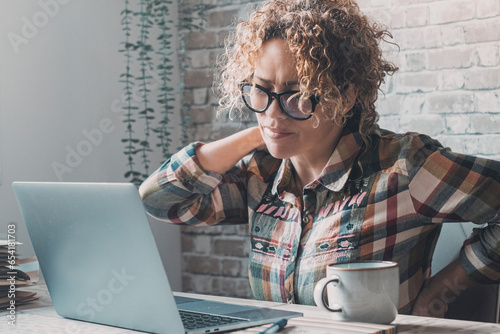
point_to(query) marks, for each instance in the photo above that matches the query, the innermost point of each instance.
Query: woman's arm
(451, 187)
(203, 183)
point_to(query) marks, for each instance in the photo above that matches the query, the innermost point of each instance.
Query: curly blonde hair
(334, 45)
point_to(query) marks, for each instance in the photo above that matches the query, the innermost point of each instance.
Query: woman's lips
(274, 133)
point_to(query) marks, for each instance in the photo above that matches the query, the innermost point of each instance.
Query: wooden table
(40, 317)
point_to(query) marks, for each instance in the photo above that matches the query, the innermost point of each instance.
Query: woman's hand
(262, 146)
(440, 290)
(221, 155)
(429, 302)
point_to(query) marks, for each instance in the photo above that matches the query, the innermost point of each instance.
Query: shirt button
(293, 258)
(305, 219)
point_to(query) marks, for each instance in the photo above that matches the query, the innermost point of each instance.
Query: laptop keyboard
(193, 320)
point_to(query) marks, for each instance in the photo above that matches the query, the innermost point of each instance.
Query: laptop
(101, 264)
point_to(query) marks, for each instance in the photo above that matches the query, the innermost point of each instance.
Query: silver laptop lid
(98, 255)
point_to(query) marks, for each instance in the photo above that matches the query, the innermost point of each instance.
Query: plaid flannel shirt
(384, 203)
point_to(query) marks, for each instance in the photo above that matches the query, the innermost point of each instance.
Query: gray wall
(60, 117)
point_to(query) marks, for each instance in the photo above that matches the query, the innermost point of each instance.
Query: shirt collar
(336, 172)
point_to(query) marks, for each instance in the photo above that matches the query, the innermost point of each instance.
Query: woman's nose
(274, 110)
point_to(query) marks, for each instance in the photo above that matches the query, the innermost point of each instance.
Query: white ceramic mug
(362, 291)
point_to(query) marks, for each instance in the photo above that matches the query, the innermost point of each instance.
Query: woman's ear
(350, 96)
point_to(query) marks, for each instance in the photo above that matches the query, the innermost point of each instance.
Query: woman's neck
(305, 172)
(308, 168)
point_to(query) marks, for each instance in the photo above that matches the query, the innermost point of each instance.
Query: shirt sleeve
(451, 187)
(182, 192)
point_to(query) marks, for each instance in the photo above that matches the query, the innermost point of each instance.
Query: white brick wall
(448, 85)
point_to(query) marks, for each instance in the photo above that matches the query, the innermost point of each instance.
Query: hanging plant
(129, 82)
(152, 49)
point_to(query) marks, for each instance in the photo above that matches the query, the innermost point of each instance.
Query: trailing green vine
(128, 80)
(165, 68)
(155, 57)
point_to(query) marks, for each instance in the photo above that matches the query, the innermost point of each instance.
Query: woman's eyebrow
(291, 83)
(264, 81)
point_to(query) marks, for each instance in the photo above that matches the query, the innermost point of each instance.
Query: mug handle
(319, 293)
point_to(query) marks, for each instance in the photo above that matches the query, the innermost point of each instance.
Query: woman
(317, 180)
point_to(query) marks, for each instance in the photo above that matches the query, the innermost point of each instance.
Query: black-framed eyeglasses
(258, 99)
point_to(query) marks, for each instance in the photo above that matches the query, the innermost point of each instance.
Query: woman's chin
(278, 153)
